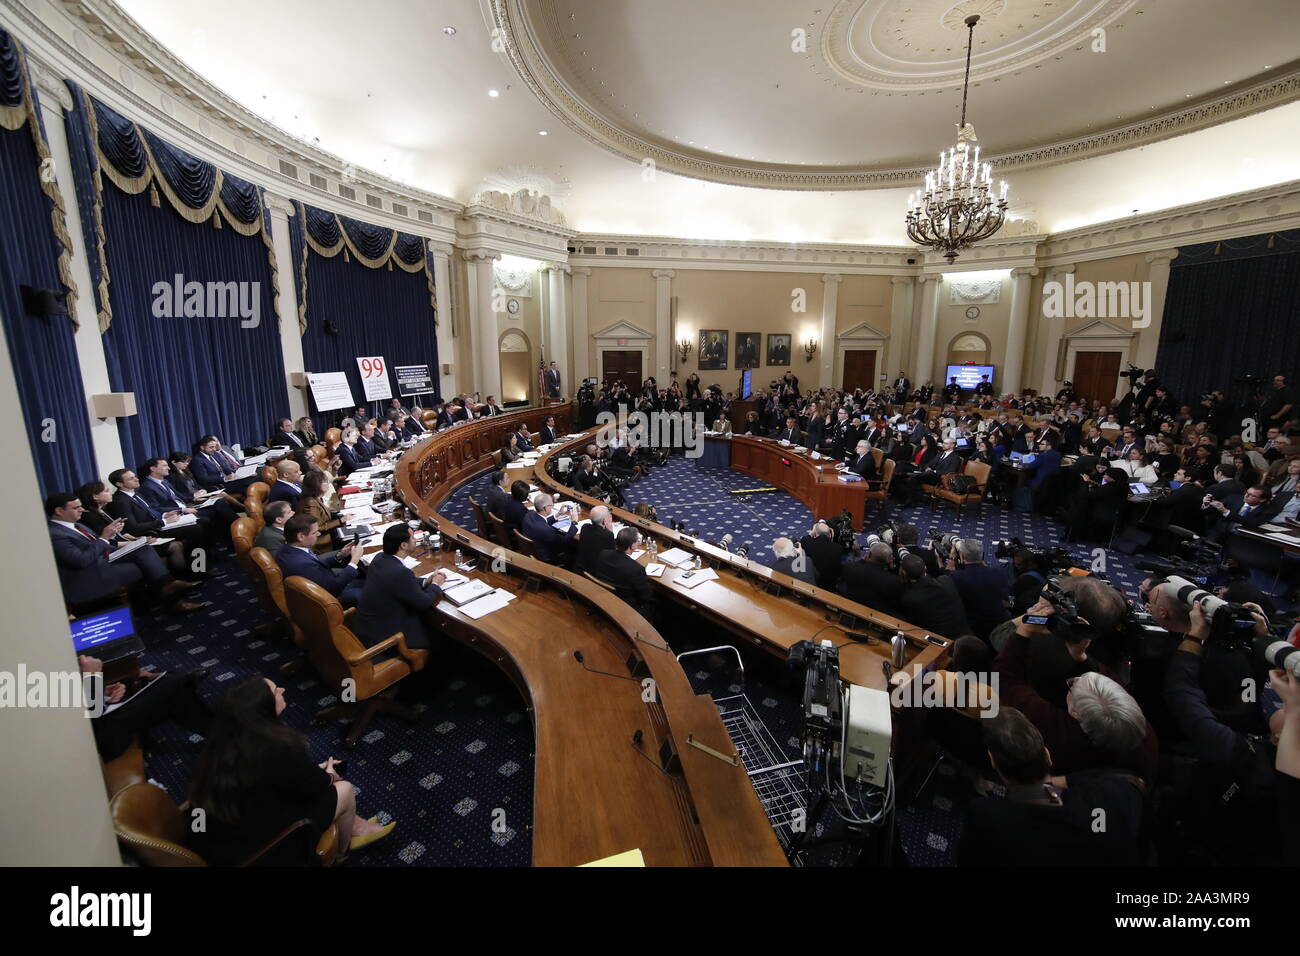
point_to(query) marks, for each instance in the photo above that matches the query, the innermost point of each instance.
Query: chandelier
(956, 209)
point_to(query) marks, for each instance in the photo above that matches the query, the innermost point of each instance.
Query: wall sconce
(810, 349)
(684, 349)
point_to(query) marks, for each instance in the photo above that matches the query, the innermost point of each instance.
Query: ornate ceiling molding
(520, 37)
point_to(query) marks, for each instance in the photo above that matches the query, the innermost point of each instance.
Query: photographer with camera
(1221, 802)
(825, 553)
(981, 587)
(872, 581)
(928, 602)
(1101, 725)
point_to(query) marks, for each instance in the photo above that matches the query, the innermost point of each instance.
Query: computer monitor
(746, 383)
(106, 635)
(968, 376)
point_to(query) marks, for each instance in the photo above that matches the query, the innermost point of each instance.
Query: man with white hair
(827, 557)
(792, 561)
(553, 546)
(1101, 724)
(594, 538)
(983, 589)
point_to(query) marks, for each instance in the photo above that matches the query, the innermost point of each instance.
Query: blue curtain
(42, 351)
(1233, 307)
(190, 375)
(372, 309)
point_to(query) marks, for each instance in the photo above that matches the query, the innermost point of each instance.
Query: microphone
(577, 656)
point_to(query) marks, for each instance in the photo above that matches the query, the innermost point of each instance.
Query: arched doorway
(516, 357)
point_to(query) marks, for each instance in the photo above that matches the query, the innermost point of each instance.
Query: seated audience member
(395, 600)
(85, 573)
(930, 603)
(1101, 724)
(539, 525)
(582, 475)
(171, 697)
(862, 462)
(1253, 509)
(286, 436)
(95, 497)
(318, 501)
(288, 487)
(350, 459)
(144, 520)
(871, 581)
(549, 435)
(594, 538)
(214, 466)
(1283, 478)
(336, 572)
(945, 462)
(627, 575)
(256, 776)
(1045, 820)
(792, 561)
(223, 511)
(162, 496)
(1138, 467)
(981, 587)
(271, 537)
(306, 431)
(1095, 444)
(827, 557)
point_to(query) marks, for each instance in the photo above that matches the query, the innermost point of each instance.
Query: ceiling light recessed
(450, 31)
(494, 92)
(542, 132)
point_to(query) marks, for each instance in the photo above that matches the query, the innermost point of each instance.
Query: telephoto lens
(1279, 655)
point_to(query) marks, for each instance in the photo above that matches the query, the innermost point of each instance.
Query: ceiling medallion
(956, 209)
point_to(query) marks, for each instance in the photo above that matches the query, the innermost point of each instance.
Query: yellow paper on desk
(630, 858)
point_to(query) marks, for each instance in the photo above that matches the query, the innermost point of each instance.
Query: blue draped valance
(1281, 243)
(328, 234)
(13, 82)
(106, 144)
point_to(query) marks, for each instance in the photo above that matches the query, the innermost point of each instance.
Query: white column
(900, 320)
(290, 335)
(663, 325)
(558, 322)
(581, 337)
(90, 343)
(442, 294)
(1158, 275)
(924, 372)
(483, 324)
(1017, 324)
(1052, 328)
(830, 310)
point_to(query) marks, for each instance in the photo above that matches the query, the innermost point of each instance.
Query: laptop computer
(107, 635)
(1138, 488)
(1017, 457)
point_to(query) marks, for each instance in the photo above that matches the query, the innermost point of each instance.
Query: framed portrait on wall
(748, 345)
(778, 349)
(713, 349)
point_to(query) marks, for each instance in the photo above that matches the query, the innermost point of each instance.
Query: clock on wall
(973, 313)
(512, 306)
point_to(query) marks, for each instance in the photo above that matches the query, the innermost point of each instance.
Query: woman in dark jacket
(256, 778)
(510, 449)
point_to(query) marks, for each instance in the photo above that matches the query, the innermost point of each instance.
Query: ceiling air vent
(424, 215)
(634, 252)
(611, 250)
(588, 250)
(400, 210)
(288, 169)
(374, 201)
(317, 182)
(347, 192)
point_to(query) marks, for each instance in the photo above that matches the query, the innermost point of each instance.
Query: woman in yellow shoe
(256, 777)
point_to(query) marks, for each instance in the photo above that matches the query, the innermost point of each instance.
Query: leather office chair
(878, 490)
(333, 437)
(525, 545)
(149, 824)
(243, 531)
(604, 584)
(125, 769)
(268, 583)
(980, 472)
(319, 456)
(269, 474)
(481, 517)
(338, 654)
(255, 501)
(499, 532)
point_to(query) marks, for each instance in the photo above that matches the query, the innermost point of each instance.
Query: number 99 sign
(374, 377)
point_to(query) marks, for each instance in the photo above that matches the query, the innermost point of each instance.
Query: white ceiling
(387, 90)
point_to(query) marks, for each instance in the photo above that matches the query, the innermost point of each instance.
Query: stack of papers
(691, 578)
(183, 521)
(471, 590)
(519, 464)
(246, 472)
(124, 549)
(677, 557)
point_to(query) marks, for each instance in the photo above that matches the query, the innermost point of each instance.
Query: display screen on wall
(968, 376)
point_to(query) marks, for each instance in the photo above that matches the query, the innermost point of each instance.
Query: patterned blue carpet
(442, 777)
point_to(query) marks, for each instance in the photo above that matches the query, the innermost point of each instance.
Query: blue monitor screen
(96, 629)
(747, 383)
(968, 376)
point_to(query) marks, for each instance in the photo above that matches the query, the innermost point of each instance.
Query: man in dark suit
(594, 538)
(790, 432)
(553, 381)
(85, 573)
(524, 438)
(515, 510)
(285, 436)
(871, 581)
(1256, 507)
(213, 467)
(1100, 496)
(985, 387)
(1096, 443)
(271, 537)
(862, 462)
(553, 546)
(335, 572)
(947, 462)
(161, 495)
(413, 427)
(288, 487)
(1045, 465)
(630, 581)
(548, 434)
(498, 493)
(144, 520)
(367, 447)
(902, 385)
(393, 598)
(1226, 485)
(931, 603)
(827, 557)
(790, 560)
(583, 476)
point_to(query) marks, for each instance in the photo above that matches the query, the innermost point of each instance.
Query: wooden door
(1096, 375)
(622, 366)
(859, 369)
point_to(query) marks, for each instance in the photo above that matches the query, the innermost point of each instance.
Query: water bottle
(698, 563)
(460, 559)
